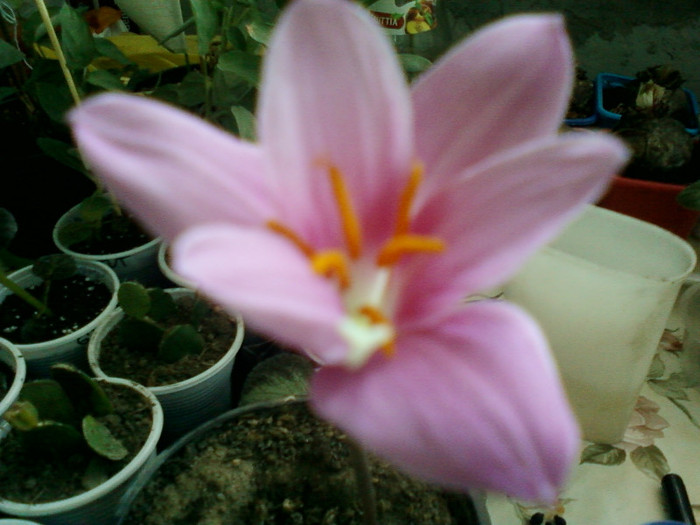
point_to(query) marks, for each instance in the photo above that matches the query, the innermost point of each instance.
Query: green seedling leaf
(245, 65)
(62, 152)
(9, 54)
(96, 473)
(75, 232)
(162, 304)
(76, 39)
(179, 341)
(101, 440)
(200, 310)
(207, 21)
(414, 63)
(94, 208)
(54, 99)
(141, 335)
(105, 80)
(22, 415)
(8, 226)
(53, 438)
(134, 299)
(259, 31)
(49, 399)
(245, 121)
(603, 455)
(107, 48)
(281, 376)
(55, 266)
(85, 393)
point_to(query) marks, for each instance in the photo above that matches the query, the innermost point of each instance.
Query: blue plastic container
(608, 119)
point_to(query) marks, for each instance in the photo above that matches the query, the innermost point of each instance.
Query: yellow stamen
(375, 316)
(292, 236)
(400, 245)
(348, 216)
(332, 263)
(403, 220)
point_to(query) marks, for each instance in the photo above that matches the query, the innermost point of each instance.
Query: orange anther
(400, 245)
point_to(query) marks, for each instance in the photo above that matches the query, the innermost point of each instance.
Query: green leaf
(85, 393)
(107, 48)
(191, 91)
(55, 100)
(134, 299)
(690, 196)
(279, 377)
(62, 152)
(105, 80)
(140, 335)
(50, 400)
(54, 266)
(22, 415)
(9, 54)
(245, 121)
(245, 65)
(259, 31)
(52, 438)
(8, 228)
(207, 21)
(94, 208)
(162, 304)
(7, 92)
(651, 461)
(414, 63)
(76, 38)
(179, 341)
(101, 440)
(600, 454)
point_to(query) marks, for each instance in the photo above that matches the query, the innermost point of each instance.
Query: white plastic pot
(12, 357)
(137, 264)
(99, 504)
(168, 272)
(71, 348)
(186, 404)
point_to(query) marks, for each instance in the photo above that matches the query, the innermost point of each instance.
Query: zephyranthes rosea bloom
(366, 214)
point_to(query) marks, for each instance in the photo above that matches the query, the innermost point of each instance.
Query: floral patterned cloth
(621, 483)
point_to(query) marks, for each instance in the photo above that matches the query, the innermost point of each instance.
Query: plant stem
(363, 477)
(46, 19)
(22, 293)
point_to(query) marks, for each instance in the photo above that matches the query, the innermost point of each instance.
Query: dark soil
(283, 466)
(28, 477)
(74, 301)
(218, 330)
(7, 376)
(117, 234)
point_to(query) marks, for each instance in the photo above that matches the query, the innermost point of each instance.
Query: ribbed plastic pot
(186, 404)
(137, 264)
(97, 505)
(12, 357)
(70, 348)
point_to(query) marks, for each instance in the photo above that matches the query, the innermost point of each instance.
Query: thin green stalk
(363, 477)
(22, 293)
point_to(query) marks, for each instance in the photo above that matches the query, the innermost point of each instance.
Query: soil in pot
(218, 330)
(117, 234)
(7, 376)
(27, 478)
(79, 299)
(283, 466)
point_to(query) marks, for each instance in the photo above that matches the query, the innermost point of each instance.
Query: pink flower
(645, 427)
(366, 213)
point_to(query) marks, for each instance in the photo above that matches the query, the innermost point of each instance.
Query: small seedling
(58, 417)
(143, 327)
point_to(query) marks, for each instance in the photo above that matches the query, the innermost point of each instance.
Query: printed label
(410, 17)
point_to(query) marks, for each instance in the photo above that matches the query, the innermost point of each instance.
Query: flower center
(367, 327)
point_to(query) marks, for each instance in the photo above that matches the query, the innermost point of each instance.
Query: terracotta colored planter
(650, 201)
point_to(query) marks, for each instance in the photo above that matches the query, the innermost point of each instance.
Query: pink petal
(507, 84)
(474, 403)
(495, 216)
(333, 93)
(268, 281)
(171, 169)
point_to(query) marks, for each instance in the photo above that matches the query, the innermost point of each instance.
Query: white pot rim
(94, 347)
(109, 278)
(151, 244)
(54, 507)
(15, 359)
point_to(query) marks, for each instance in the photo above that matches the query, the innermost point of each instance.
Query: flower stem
(363, 477)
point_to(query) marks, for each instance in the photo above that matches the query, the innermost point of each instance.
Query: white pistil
(364, 338)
